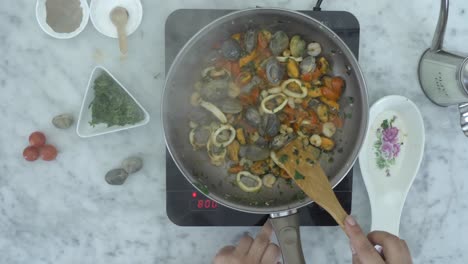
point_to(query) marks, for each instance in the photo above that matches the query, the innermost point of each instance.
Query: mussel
(250, 40)
(274, 71)
(231, 50)
(279, 42)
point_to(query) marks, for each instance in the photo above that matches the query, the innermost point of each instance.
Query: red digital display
(206, 204)
(202, 204)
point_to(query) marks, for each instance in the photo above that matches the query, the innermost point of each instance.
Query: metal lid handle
(438, 39)
(464, 117)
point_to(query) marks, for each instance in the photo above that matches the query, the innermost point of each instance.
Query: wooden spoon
(119, 17)
(304, 168)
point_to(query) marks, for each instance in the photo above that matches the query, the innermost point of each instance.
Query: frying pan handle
(286, 227)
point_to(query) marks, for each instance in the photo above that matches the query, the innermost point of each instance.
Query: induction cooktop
(186, 206)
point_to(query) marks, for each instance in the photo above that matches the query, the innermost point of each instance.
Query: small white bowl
(390, 158)
(84, 129)
(41, 16)
(100, 16)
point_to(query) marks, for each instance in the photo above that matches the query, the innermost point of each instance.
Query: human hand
(250, 251)
(394, 250)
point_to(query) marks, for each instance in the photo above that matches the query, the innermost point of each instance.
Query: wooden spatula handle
(334, 208)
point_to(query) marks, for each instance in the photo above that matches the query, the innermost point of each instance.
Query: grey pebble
(63, 121)
(116, 176)
(132, 164)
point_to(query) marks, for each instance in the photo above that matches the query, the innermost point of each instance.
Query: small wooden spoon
(119, 17)
(304, 168)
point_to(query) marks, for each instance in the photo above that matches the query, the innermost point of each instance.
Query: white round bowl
(41, 15)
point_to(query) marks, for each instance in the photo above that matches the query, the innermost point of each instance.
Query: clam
(231, 50)
(250, 40)
(254, 153)
(116, 176)
(230, 106)
(308, 65)
(214, 90)
(297, 46)
(200, 116)
(63, 121)
(200, 136)
(132, 164)
(253, 117)
(274, 71)
(281, 140)
(279, 42)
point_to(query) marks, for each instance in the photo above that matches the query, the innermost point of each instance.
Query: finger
(260, 243)
(244, 245)
(392, 246)
(271, 255)
(223, 253)
(359, 242)
(356, 259)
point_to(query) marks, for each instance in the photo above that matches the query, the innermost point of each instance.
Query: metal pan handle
(286, 226)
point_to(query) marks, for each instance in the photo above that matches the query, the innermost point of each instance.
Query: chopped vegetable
(298, 176)
(37, 139)
(48, 152)
(240, 136)
(112, 105)
(31, 153)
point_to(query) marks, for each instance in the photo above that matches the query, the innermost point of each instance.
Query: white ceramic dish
(390, 158)
(100, 15)
(41, 16)
(84, 129)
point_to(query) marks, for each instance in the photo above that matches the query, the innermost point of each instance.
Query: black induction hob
(186, 206)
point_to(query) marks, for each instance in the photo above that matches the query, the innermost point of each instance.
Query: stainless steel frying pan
(282, 202)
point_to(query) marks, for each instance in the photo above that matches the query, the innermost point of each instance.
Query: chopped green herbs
(112, 105)
(283, 158)
(298, 176)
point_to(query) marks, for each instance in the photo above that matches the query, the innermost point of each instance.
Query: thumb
(361, 246)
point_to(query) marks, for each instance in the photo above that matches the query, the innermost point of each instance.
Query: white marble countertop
(64, 212)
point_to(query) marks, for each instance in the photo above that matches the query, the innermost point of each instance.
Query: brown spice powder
(64, 16)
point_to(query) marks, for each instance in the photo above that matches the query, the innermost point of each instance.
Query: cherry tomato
(31, 153)
(37, 139)
(48, 152)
